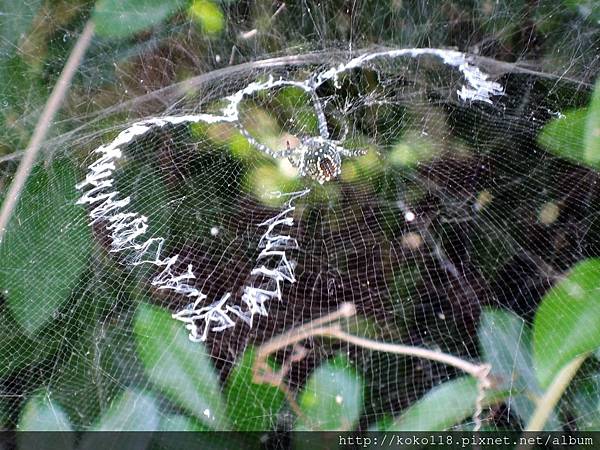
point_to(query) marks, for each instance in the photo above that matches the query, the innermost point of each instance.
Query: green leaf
(131, 411)
(332, 399)
(40, 413)
(588, 9)
(177, 422)
(505, 341)
(567, 323)
(18, 19)
(563, 136)
(181, 369)
(123, 18)
(208, 15)
(46, 246)
(444, 406)
(251, 406)
(31, 349)
(576, 134)
(586, 403)
(181, 432)
(174, 424)
(591, 141)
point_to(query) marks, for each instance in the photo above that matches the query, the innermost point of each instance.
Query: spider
(317, 157)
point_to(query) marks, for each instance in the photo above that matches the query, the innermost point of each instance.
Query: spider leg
(277, 154)
(322, 121)
(345, 131)
(351, 153)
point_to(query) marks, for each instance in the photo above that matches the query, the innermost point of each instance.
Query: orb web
(437, 202)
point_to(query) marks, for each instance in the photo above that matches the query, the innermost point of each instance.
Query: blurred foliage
(567, 323)
(53, 219)
(208, 15)
(120, 19)
(179, 368)
(576, 134)
(40, 414)
(251, 406)
(442, 408)
(506, 344)
(332, 398)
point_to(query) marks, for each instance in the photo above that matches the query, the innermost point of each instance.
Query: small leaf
(40, 413)
(181, 369)
(123, 18)
(208, 15)
(251, 406)
(567, 323)
(444, 406)
(591, 140)
(588, 9)
(332, 399)
(19, 17)
(181, 432)
(586, 403)
(131, 411)
(45, 248)
(505, 341)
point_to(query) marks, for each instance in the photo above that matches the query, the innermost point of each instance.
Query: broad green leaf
(591, 141)
(181, 369)
(251, 406)
(444, 406)
(332, 398)
(505, 341)
(567, 323)
(40, 413)
(123, 18)
(45, 248)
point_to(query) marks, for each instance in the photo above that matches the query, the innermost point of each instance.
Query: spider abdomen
(320, 160)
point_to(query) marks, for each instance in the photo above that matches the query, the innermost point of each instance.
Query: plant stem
(43, 124)
(472, 369)
(546, 404)
(329, 326)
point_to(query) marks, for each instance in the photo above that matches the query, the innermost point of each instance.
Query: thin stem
(43, 124)
(476, 370)
(329, 326)
(546, 404)
(300, 333)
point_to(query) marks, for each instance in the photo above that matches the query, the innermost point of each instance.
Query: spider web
(447, 205)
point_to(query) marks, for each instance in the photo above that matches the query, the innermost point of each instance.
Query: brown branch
(43, 125)
(329, 326)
